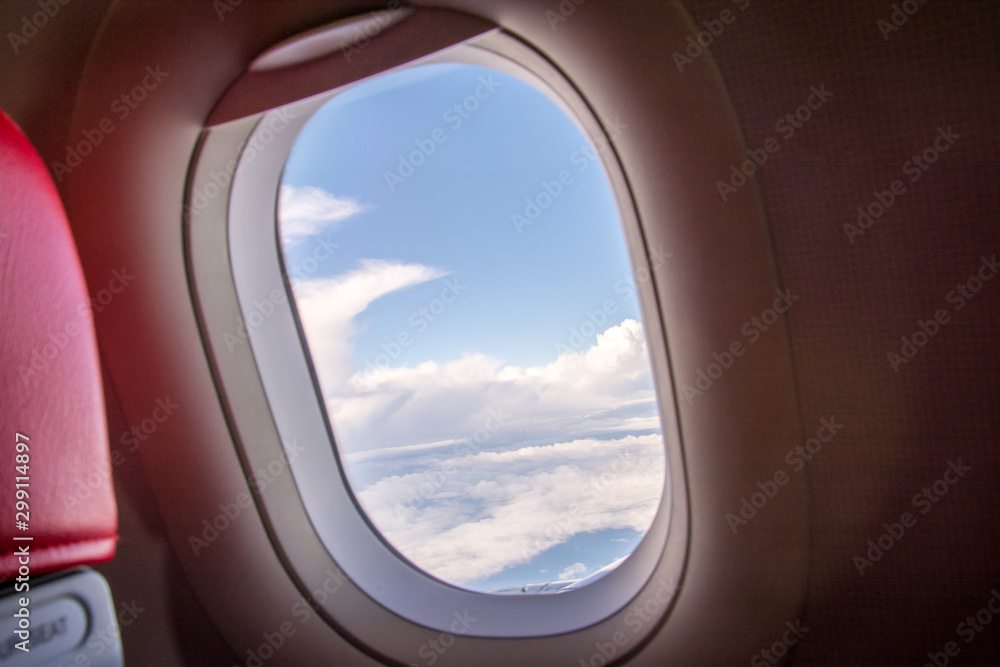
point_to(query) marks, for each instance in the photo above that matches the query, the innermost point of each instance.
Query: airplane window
(464, 287)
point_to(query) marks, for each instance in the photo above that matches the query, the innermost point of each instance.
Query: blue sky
(478, 447)
(455, 211)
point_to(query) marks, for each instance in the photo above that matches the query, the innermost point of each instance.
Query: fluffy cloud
(306, 211)
(328, 306)
(574, 571)
(480, 466)
(468, 517)
(602, 389)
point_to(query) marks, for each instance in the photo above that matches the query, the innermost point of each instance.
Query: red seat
(50, 379)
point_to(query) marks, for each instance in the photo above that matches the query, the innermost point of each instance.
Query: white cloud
(604, 388)
(574, 571)
(471, 467)
(472, 516)
(328, 306)
(308, 210)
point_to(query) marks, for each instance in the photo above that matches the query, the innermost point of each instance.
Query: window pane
(462, 279)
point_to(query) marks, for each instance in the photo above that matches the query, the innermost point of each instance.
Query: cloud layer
(603, 388)
(473, 466)
(472, 516)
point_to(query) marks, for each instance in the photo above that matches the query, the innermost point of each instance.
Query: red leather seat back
(50, 378)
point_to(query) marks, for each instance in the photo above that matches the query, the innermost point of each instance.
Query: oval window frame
(411, 601)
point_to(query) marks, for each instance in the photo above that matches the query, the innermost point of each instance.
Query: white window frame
(314, 521)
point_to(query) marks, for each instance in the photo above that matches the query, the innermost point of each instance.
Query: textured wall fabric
(921, 84)
(50, 382)
(928, 84)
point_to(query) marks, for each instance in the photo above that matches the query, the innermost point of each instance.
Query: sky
(463, 283)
